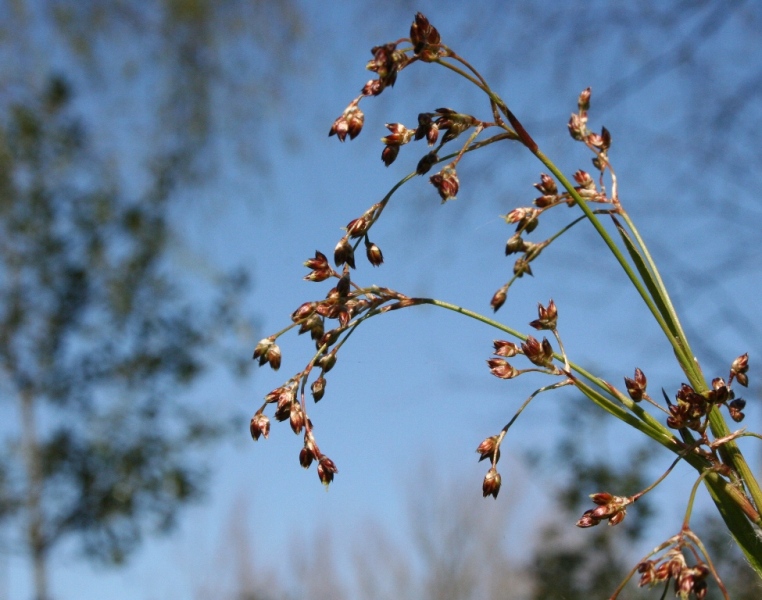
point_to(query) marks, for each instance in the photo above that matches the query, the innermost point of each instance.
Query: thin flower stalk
(694, 429)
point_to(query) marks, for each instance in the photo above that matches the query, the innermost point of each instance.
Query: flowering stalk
(694, 428)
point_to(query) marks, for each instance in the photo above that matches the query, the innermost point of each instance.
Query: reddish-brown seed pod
(491, 484)
(260, 425)
(446, 182)
(373, 253)
(501, 368)
(498, 299)
(318, 388)
(548, 317)
(487, 448)
(326, 470)
(505, 348)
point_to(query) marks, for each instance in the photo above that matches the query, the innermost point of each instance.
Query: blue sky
(412, 388)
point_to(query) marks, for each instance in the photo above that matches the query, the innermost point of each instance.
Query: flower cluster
(610, 508)
(688, 580)
(691, 408)
(331, 319)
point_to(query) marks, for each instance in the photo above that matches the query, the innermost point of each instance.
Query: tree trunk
(36, 541)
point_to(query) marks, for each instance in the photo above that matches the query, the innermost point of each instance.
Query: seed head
(636, 387)
(548, 317)
(540, 354)
(296, 418)
(344, 253)
(487, 449)
(515, 244)
(446, 182)
(505, 348)
(326, 470)
(425, 164)
(738, 370)
(349, 123)
(492, 483)
(498, 299)
(547, 185)
(501, 368)
(373, 252)
(260, 425)
(424, 36)
(318, 388)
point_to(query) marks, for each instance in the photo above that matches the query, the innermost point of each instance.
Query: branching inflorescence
(694, 430)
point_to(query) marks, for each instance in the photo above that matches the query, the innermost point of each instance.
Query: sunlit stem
(526, 402)
(658, 481)
(692, 497)
(697, 542)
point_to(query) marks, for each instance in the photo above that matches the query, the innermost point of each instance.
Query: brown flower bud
(329, 338)
(273, 356)
(387, 61)
(327, 361)
(373, 252)
(738, 370)
(584, 180)
(605, 139)
(447, 183)
(283, 411)
(318, 388)
(601, 498)
(735, 408)
(583, 102)
(349, 123)
(648, 573)
(548, 317)
(501, 368)
(304, 311)
(326, 470)
(296, 417)
(321, 270)
(343, 286)
(425, 164)
(260, 425)
(636, 387)
(526, 218)
(499, 298)
(344, 253)
(522, 266)
(540, 354)
(389, 154)
(587, 520)
(487, 449)
(399, 136)
(492, 483)
(515, 244)
(505, 348)
(358, 227)
(423, 35)
(373, 88)
(576, 127)
(260, 351)
(617, 517)
(547, 185)
(305, 457)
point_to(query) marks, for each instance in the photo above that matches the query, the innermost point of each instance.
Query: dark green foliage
(97, 341)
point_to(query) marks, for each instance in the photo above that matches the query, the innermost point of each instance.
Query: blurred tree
(97, 341)
(177, 73)
(97, 336)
